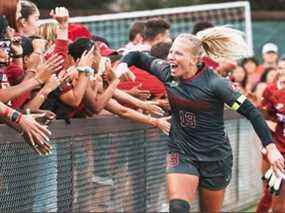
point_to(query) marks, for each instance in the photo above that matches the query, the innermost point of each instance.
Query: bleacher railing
(110, 164)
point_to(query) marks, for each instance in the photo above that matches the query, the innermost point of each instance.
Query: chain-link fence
(109, 164)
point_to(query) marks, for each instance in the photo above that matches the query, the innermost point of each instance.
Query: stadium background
(265, 14)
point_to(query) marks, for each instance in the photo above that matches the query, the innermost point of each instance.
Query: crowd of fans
(61, 70)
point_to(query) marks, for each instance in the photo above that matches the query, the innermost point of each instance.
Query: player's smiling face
(180, 59)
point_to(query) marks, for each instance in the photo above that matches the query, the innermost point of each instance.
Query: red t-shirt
(15, 74)
(148, 81)
(274, 102)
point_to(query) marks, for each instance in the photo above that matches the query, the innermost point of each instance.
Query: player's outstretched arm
(147, 106)
(157, 67)
(262, 130)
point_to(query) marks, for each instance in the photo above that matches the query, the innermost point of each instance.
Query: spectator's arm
(89, 98)
(102, 100)
(125, 112)
(124, 97)
(61, 15)
(11, 124)
(266, 107)
(61, 43)
(74, 96)
(41, 96)
(138, 93)
(35, 134)
(46, 69)
(97, 102)
(10, 93)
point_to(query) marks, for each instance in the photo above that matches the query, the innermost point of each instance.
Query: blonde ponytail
(223, 41)
(47, 31)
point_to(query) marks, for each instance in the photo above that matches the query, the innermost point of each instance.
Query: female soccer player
(200, 154)
(273, 105)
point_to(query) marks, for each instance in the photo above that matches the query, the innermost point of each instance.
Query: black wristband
(15, 116)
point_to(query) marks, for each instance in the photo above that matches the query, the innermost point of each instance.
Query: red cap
(104, 49)
(76, 31)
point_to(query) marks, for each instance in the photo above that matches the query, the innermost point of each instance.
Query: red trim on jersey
(197, 74)
(210, 62)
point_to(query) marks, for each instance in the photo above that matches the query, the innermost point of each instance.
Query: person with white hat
(270, 55)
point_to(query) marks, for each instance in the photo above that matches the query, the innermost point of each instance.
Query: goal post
(115, 27)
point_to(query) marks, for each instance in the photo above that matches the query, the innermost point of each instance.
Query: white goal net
(115, 27)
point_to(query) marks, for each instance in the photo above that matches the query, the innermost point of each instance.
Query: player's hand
(273, 182)
(275, 159)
